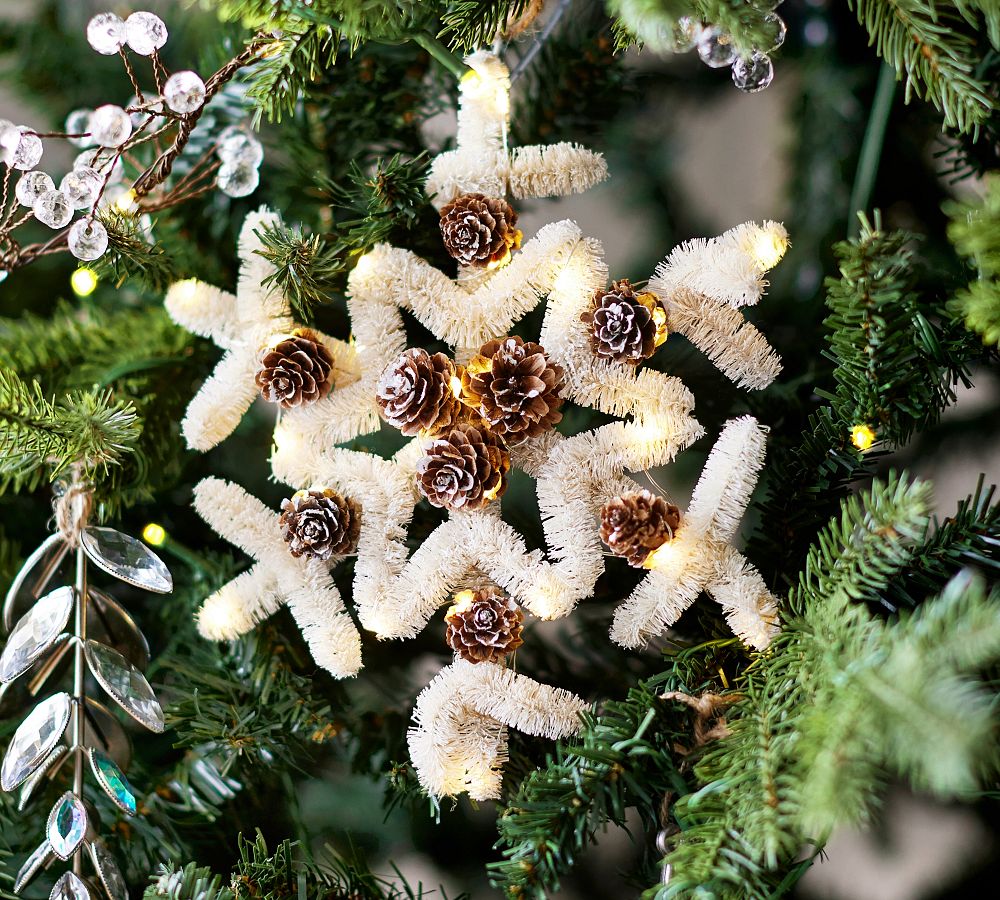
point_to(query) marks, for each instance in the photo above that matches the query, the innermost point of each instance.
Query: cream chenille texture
(458, 741)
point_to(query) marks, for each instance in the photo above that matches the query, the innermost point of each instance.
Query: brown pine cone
(484, 625)
(415, 392)
(514, 387)
(296, 371)
(320, 524)
(465, 468)
(622, 324)
(479, 231)
(636, 524)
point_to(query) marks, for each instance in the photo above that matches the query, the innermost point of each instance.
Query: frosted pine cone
(622, 325)
(320, 524)
(465, 468)
(415, 392)
(636, 524)
(484, 625)
(514, 387)
(479, 231)
(296, 371)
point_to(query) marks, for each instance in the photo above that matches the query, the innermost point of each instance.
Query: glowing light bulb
(768, 248)
(456, 386)
(463, 601)
(471, 80)
(83, 281)
(185, 291)
(365, 265)
(154, 534)
(660, 557)
(862, 436)
(126, 202)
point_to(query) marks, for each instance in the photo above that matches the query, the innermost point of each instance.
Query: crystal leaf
(34, 740)
(126, 685)
(108, 872)
(112, 780)
(127, 558)
(34, 634)
(34, 577)
(67, 825)
(53, 762)
(103, 729)
(70, 887)
(32, 866)
(109, 624)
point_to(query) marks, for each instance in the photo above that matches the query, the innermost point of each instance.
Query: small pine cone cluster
(320, 524)
(479, 231)
(296, 371)
(514, 387)
(636, 524)
(415, 393)
(465, 468)
(484, 625)
(622, 325)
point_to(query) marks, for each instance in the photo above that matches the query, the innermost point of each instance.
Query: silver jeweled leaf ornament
(34, 739)
(126, 685)
(67, 826)
(70, 887)
(35, 633)
(127, 558)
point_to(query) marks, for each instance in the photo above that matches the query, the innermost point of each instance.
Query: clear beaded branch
(115, 139)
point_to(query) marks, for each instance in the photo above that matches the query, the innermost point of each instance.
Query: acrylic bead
(31, 186)
(715, 47)
(145, 33)
(54, 209)
(753, 74)
(87, 240)
(238, 179)
(78, 122)
(184, 92)
(235, 145)
(110, 125)
(106, 33)
(21, 149)
(102, 160)
(777, 29)
(82, 186)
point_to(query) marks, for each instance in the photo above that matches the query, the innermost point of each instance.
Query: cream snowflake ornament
(700, 556)
(266, 351)
(278, 576)
(458, 742)
(483, 163)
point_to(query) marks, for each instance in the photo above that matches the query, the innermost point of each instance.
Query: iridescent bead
(87, 240)
(106, 33)
(184, 92)
(110, 125)
(715, 47)
(53, 209)
(753, 74)
(31, 186)
(238, 179)
(145, 33)
(22, 149)
(78, 122)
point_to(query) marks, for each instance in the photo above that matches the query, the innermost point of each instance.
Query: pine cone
(623, 328)
(415, 392)
(514, 387)
(479, 230)
(465, 468)
(296, 371)
(484, 625)
(320, 524)
(636, 524)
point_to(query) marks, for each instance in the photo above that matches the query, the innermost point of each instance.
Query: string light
(660, 558)
(126, 202)
(768, 248)
(83, 281)
(862, 437)
(456, 386)
(462, 604)
(365, 265)
(154, 534)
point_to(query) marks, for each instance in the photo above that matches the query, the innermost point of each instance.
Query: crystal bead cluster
(57, 731)
(97, 179)
(715, 48)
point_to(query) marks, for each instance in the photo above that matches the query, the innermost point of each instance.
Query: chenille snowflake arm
(458, 742)
(266, 352)
(702, 283)
(696, 554)
(301, 581)
(482, 162)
